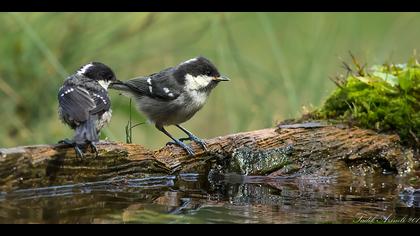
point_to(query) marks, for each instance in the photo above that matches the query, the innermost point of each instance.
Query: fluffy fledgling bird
(84, 104)
(173, 95)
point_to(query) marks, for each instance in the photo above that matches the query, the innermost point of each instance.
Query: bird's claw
(197, 140)
(66, 141)
(187, 148)
(77, 148)
(201, 143)
(94, 149)
(79, 153)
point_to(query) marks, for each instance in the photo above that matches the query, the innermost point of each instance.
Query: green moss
(248, 161)
(383, 98)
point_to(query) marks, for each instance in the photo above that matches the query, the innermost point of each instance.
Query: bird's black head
(199, 73)
(199, 66)
(99, 72)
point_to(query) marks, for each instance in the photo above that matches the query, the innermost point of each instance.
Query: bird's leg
(194, 138)
(177, 142)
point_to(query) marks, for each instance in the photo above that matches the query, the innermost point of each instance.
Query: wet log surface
(282, 151)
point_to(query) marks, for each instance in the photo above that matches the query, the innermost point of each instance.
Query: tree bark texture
(281, 151)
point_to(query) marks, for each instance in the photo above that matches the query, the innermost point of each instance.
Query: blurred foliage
(278, 62)
(383, 98)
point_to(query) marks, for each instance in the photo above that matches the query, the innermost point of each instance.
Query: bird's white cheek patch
(197, 82)
(104, 84)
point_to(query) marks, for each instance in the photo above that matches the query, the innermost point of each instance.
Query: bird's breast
(195, 99)
(104, 119)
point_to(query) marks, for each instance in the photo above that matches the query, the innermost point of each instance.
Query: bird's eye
(208, 73)
(109, 77)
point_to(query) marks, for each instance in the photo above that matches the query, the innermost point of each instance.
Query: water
(192, 198)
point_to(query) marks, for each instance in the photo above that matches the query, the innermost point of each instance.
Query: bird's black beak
(221, 78)
(116, 81)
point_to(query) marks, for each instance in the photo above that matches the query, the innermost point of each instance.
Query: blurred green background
(277, 62)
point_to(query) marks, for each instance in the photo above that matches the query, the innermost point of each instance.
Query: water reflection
(192, 198)
(411, 197)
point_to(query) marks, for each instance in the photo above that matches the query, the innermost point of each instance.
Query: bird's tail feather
(86, 132)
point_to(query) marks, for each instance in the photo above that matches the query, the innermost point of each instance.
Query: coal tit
(84, 104)
(173, 95)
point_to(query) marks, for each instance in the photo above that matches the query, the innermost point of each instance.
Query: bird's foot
(193, 138)
(180, 139)
(94, 149)
(66, 141)
(200, 142)
(78, 147)
(78, 151)
(197, 140)
(187, 148)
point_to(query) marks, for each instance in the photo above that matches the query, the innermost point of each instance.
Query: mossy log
(285, 150)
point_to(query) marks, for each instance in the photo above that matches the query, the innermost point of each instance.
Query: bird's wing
(101, 100)
(75, 102)
(160, 85)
